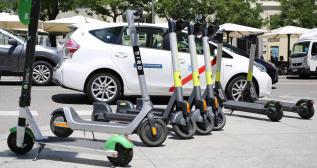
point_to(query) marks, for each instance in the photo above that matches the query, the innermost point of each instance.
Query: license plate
(294, 70)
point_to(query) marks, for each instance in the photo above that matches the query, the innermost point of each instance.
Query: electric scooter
(304, 107)
(209, 94)
(272, 109)
(152, 130)
(177, 112)
(22, 138)
(203, 114)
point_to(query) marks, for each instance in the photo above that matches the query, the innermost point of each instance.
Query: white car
(99, 61)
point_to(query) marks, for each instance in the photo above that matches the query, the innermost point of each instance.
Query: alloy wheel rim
(104, 88)
(238, 88)
(41, 73)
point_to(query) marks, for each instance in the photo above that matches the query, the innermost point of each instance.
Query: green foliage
(297, 13)
(113, 8)
(223, 11)
(239, 12)
(8, 6)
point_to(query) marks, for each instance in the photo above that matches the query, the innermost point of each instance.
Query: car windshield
(235, 50)
(301, 48)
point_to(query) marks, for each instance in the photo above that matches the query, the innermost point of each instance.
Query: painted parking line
(310, 83)
(16, 113)
(295, 97)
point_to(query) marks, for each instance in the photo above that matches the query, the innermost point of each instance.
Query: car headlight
(260, 67)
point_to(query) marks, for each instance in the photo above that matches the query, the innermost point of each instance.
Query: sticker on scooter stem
(138, 60)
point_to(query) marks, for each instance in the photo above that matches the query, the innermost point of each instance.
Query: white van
(303, 59)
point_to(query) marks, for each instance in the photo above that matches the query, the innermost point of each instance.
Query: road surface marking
(16, 113)
(296, 84)
(295, 97)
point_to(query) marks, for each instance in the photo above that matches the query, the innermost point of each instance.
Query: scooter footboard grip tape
(209, 78)
(177, 79)
(196, 80)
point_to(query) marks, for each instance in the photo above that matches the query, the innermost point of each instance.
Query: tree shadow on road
(55, 155)
(71, 98)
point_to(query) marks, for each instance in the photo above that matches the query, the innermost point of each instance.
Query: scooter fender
(178, 118)
(27, 130)
(59, 110)
(117, 139)
(197, 116)
(210, 112)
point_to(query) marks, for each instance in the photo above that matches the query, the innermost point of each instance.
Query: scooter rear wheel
(305, 111)
(148, 138)
(124, 156)
(27, 144)
(185, 132)
(220, 121)
(60, 131)
(206, 127)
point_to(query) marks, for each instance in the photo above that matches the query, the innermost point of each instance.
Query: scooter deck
(245, 107)
(287, 106)
(76, 145)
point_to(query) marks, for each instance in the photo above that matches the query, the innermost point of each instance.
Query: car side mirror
(13, 42)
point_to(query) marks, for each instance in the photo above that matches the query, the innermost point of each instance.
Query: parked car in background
(12, 56)
(266, 66)
(99, 61)
(303, 59)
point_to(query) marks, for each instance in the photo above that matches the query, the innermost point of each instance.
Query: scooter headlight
(260, 67)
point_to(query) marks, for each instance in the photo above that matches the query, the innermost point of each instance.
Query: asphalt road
(248, 140)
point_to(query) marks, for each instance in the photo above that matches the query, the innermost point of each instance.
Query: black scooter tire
(60, 132)
(221, 121)
(305, 111)
(182, 132)
(124, 156)
(146, 135)
(27, 144)
(201, 130)
(275, 114)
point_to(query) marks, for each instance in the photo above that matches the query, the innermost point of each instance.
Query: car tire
(233, 88)
(42, 73)
(103, 87)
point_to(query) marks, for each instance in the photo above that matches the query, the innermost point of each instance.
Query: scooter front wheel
(205, 128)
(185, 132)
(220, 121)
(27, 144)
(60, 131)
(150, 137)
(305, 111)
(124, 156)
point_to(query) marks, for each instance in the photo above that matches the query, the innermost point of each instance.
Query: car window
(213, 52)
(183, 46)
(108, 35)
(4, 39)
(148, 37)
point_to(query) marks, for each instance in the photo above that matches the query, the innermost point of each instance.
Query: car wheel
(235, 87)
(103, 87)
(42, 73)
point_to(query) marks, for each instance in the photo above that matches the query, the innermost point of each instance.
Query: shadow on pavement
(74, 98)
(10, 83)
(248, 117)
(55, 155)
(71, 99)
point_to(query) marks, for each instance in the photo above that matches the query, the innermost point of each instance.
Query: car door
(156, 60)
(313, 59)
(9, 54)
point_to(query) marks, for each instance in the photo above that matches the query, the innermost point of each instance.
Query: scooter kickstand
(41, 147)
(231, 112)
(93, 136)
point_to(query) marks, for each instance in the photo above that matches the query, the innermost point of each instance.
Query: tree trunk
(52, 13)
